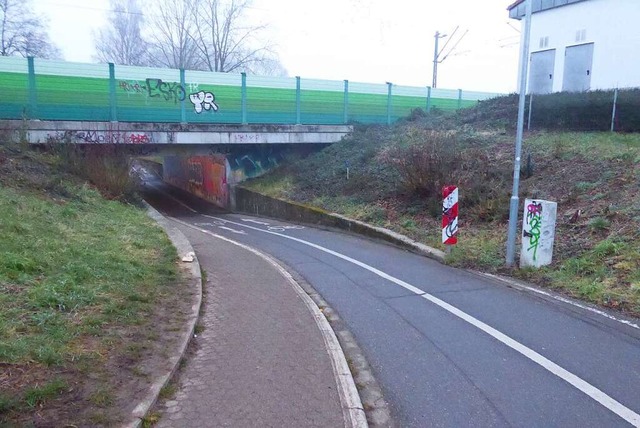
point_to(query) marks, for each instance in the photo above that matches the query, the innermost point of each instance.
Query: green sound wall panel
(72, 91)
(15, 90)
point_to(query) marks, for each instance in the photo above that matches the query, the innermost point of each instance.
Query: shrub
(423, 159)
(105, 166)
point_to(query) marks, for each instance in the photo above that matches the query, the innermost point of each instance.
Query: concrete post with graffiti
(538, 232)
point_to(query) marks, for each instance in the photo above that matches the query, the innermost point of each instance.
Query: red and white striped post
(449, 216)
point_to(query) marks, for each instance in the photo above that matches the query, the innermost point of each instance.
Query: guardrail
(57, 90)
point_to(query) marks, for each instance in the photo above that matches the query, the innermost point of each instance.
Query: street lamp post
(515, 200)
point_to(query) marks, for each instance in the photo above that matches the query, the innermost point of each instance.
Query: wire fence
(58, 90)
(615, 110)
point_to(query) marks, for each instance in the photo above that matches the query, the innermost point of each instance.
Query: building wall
(610, 24)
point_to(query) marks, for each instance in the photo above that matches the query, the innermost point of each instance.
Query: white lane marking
(239, 232)
(283, 228)
(173, 198)
(352, 408)
(255, 221)
(582, 385)
(562, 299)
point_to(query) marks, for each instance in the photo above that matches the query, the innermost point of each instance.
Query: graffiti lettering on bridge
(155, 88)
(139, 139)
(102, 137)
(534, 221)
(131, 87)
(169, 91)
(203, 101)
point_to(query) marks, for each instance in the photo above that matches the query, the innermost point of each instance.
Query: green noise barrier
(58, 90)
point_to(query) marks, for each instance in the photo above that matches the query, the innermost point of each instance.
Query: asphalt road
(450, 348)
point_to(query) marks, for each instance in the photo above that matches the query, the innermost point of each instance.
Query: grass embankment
(395, 174)
(80, 280)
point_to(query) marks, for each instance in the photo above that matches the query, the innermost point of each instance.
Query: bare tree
(121, 41)
(225, 43)
(210, 35)
(22, 32)
(173, 46)
(269, 66)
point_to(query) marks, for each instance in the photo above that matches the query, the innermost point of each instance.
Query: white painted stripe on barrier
(450, 200)
(580, 384)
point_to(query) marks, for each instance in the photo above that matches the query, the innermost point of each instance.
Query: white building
(579, 45)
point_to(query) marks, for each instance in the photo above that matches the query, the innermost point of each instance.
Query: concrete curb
(184, 247)
(254, 203)
(376, 409)
(352, 407)
(398, 238)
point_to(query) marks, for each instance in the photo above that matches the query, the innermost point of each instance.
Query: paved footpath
(261, 360)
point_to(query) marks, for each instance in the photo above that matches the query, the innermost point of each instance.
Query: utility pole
(437, 52)
(435, 61)
(515, 200)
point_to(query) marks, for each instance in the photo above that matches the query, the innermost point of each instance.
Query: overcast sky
(360, 40)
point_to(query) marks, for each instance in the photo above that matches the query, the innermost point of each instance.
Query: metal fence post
(345, 119)
(615, 107)
(530, 112)
(428, 99)
(298, 100)
(243, 94)
(389, 95)
(33, 96)
(183, 108)
(112, 93)
(459, 99)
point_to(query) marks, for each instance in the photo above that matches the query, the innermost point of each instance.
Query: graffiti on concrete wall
(203, 176)
(533, 227)
(246, 164)
(195, 173)
(100, 137)
(252, 165)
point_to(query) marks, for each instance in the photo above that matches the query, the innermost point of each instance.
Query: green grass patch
(592, 145)
(483, 247)
(78, 274)
(168, 391)
(67, 268)
(38, 394)
(102, 397)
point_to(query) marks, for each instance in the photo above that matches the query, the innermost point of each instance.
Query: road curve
(450, 348)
